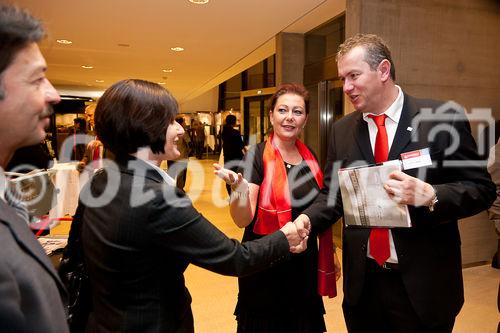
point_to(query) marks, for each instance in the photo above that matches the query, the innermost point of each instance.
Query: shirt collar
(3, 184)
(393, 112)
(169, 180)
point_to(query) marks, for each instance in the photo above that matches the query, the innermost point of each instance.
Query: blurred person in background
(232, 145)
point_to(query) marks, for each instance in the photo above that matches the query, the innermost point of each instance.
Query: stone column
(289, 57)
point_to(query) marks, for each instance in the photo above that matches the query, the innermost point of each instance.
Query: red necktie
(379, 237)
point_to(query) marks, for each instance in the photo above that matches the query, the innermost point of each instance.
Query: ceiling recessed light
(167, 70)
(161, 83)
(199, 2)
(99, 81)
(64, 41)
(87, 66)
(177, 49)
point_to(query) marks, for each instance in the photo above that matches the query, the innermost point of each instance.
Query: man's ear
(384, 69)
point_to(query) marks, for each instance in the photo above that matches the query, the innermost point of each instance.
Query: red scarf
(274, 209)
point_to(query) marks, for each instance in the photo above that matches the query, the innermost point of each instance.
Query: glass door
(256, 119)
(330, 106)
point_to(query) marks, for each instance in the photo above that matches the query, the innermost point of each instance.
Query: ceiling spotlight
(177, 49)
(99, 81)
(167, 70)
(87, 66)
(199, 2)
(64, 41)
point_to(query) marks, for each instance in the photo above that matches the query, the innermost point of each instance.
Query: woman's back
(137, 285)
(138, 245)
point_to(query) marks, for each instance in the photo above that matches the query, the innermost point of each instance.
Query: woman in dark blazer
(139, 233)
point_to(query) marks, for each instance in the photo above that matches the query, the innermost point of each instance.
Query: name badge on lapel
(416, 159)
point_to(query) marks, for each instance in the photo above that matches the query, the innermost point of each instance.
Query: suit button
(363, 247)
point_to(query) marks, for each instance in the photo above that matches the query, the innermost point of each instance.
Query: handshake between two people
(297, 233)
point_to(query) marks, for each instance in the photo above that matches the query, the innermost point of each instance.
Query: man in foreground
(31, 294)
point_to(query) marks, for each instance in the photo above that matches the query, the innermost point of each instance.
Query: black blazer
(31, 293)
(138, 245)
(428, 252)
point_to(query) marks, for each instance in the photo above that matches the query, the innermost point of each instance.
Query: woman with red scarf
(281, 177)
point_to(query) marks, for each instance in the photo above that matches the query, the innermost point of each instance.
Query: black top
(31, 157)
(138, 244)
(232, 144)
(277, 291)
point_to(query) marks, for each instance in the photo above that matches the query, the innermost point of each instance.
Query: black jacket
(138, 245)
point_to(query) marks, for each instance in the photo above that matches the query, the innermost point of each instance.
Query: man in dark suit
(30, 290)
(401, 279)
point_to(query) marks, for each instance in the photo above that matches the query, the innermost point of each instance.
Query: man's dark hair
(132, 114)
(231, 120)
(82, 124)
(17, 29)
(180, 120)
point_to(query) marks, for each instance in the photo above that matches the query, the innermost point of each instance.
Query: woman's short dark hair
(290, 88)
(133, 114)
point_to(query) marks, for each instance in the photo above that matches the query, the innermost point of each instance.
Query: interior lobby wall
(289, 57)
(443, 49)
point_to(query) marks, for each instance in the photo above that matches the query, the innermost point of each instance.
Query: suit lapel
(403, 136)
(362, 138)
(26, 240)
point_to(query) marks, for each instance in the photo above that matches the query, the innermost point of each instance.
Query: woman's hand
(296, 242)
(235, 180)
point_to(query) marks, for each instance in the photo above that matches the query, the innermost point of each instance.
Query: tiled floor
(214, 296)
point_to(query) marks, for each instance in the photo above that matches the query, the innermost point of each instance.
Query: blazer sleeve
(11, 315)
(327, 207)
(182, 231)
(463, 185)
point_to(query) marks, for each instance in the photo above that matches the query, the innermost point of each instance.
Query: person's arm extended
(180, 230)
(243, 199)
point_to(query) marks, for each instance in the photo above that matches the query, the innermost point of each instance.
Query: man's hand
(295, 241)
(409, 190)
(303, 224)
